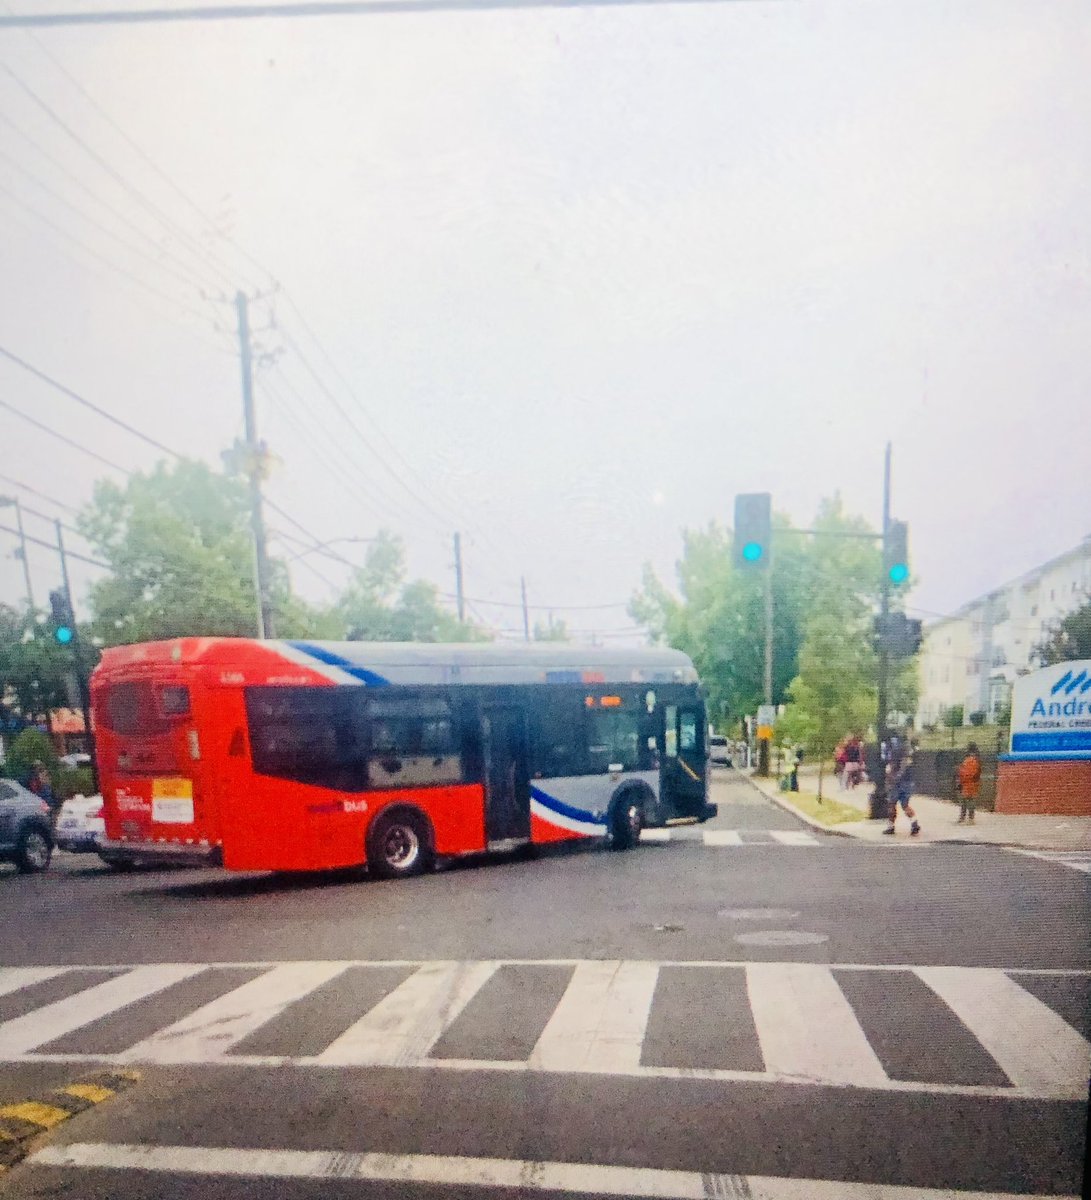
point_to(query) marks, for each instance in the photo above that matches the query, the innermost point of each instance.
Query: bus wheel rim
(401, 846)
(36, 850)
(632, 818)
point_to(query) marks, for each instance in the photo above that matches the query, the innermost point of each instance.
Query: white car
(80, 825)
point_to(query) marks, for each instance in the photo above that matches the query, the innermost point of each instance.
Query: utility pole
(460, 595)
(526, 615)
(5, 501)
(764, 743)
(254, 467)
(77, 656)
(878, 796)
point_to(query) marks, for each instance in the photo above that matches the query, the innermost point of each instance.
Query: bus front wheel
(625, 826)
(398, 845)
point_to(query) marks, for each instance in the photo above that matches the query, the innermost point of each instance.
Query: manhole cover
(758, 914)
(781, 937)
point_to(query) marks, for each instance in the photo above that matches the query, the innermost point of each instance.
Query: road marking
(1032, 1045)
(1078, 860)
(211, 1030)
(794, 837)
(403, 1027)
(722, 837)
(13, 979)
(584, 1179)
(21, 1034)
(655, 835)
(600, 1021)
(807, 1028)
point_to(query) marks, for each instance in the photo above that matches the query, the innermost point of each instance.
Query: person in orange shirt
(969, 784)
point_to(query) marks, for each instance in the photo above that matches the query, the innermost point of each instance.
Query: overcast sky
(577, 277)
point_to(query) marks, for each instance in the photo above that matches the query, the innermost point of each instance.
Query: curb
(789, 807)
(20, 1123)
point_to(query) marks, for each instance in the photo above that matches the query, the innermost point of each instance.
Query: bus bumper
(710, 811)
(160, 853)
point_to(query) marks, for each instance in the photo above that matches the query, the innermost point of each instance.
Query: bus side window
(670, 731)
(411, 742)
(687, 739)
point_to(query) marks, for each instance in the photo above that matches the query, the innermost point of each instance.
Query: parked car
(80, 825)
(26, 831)
(719, 750)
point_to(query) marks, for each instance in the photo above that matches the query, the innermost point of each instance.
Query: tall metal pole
(763, 743)
(77, 656)
(526, 614)
(878, 797)
(23, 551)
(265, 625)
(459, 594)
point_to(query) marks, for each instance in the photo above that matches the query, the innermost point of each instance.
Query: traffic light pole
(77, 656)
(763, 743)
(879, 803)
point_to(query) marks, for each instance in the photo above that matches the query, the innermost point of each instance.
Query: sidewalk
(938, 818)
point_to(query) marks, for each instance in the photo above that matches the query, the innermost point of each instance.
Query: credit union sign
(1051, 712)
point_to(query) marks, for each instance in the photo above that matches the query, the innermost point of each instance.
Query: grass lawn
(829, 812)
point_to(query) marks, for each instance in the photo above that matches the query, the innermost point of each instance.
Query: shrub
(977, 718)
(30, 746)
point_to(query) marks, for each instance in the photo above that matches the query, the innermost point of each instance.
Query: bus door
(507, 783)
(684, 766)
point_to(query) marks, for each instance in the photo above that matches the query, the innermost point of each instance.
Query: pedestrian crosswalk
(731, 837)
(966, 1030)
(1078, 860)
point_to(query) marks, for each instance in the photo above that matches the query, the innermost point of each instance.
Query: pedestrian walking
(900, 783)
(41, 784)
(969, 784)
(854, 761)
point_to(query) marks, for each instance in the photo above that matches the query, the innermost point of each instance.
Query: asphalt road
(743, 1009)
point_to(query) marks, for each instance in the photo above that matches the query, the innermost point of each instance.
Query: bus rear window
(134, 708)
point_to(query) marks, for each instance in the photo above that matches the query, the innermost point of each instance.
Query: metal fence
(935, 773)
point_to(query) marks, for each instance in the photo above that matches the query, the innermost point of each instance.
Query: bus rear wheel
(627, 821)
(398, 846)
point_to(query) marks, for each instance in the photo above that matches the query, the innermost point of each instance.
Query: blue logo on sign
(1070, 685)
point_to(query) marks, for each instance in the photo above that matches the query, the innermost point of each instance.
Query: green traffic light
(752, 551)
(899, 573)
(63, 635)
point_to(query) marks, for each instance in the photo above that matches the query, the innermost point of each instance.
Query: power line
(543, 607)
(67, 440)
(303, 8)
(95, 562)
(113, 266)
(67, 391)
(41, 495)
(162, 217)
(143, 155)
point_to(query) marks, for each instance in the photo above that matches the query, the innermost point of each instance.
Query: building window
(1034, 610)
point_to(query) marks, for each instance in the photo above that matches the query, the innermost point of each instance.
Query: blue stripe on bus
(565, 810)
(335, 660)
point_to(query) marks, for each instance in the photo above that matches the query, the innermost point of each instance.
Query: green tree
(177, 541)
(34, 668)
(1069, 639)
(719, 618)
(29, 747)
(380, 606)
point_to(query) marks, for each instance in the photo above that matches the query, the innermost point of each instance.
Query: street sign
(765, 733)
(767, 714)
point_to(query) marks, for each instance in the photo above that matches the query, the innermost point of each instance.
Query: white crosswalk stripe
(1078, 860)
(598, 1018)
(732, 837)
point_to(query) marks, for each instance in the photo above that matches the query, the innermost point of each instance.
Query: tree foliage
(1069, 639)
(177, 541)
(719, 618)
(34, 668)
(380, 606)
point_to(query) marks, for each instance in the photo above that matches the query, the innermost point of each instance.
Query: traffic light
(64, 626)
(753, 530)
(897, 552)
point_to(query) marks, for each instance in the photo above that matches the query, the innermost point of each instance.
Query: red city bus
(301, 756)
